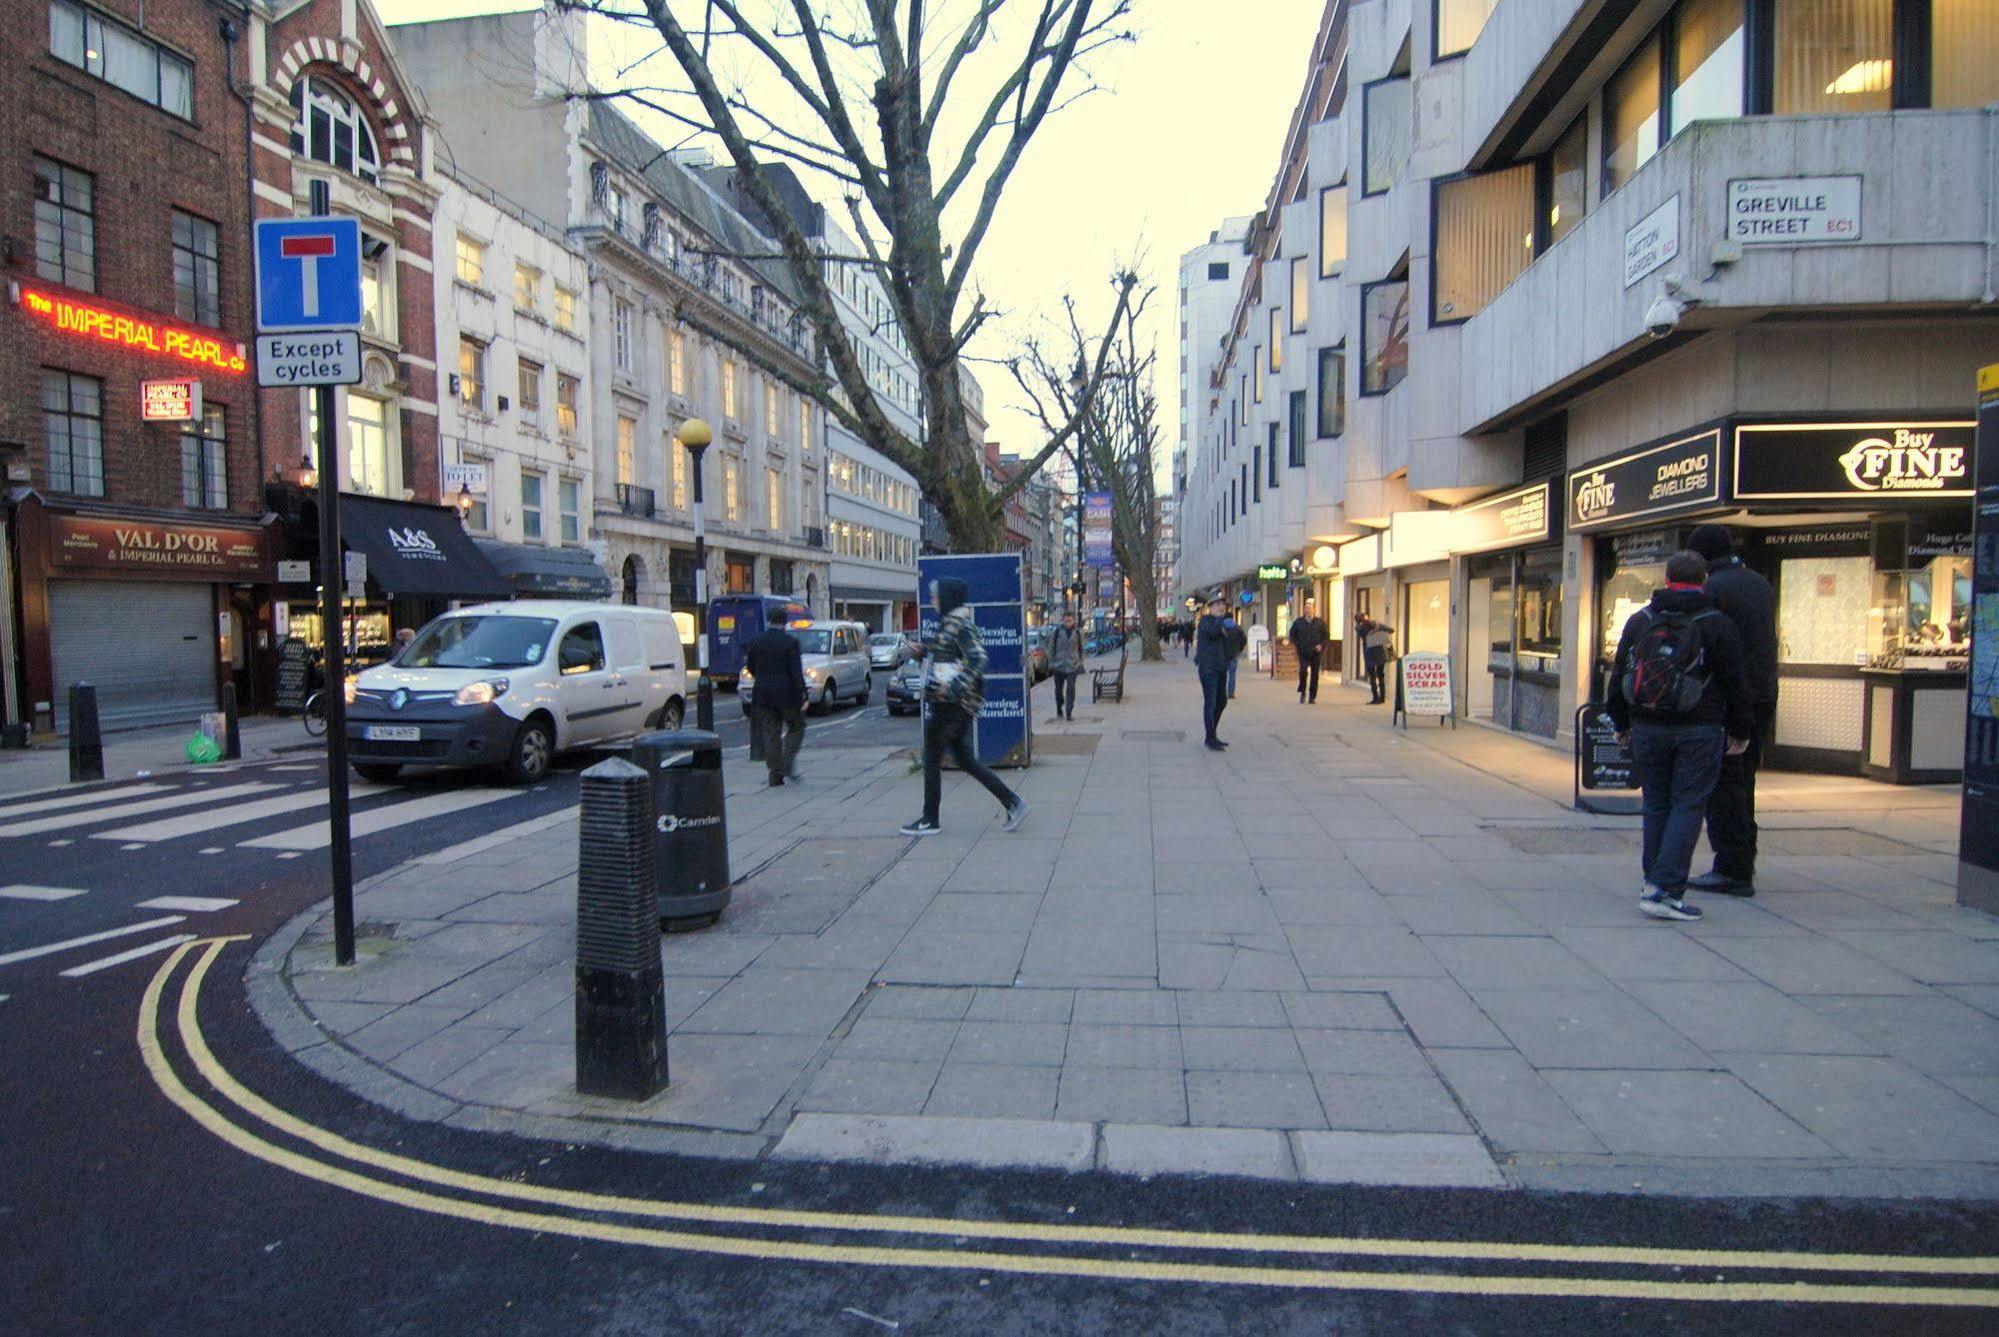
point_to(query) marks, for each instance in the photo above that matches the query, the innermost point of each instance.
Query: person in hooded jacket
(954, 689)
(1745, 599)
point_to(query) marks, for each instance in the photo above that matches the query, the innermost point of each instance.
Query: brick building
(131, 551)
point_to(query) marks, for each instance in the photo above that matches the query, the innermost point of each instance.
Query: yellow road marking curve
(246, 1141)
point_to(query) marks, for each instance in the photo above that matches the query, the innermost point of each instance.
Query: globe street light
(696, 435)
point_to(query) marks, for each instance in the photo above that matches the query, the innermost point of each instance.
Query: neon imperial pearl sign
(131, 331)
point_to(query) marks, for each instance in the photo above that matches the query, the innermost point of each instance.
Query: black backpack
(1234, 639)
(1668, 673)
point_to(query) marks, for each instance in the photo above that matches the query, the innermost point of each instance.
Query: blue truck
(734, 620)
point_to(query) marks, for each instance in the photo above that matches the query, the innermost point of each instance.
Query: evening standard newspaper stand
(1004, 734)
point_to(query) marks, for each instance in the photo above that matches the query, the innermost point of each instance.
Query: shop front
(155, 610)
(1364, 594)
(1508, 663)
(1864, 531)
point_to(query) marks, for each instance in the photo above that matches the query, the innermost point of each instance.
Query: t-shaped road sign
(308, 274)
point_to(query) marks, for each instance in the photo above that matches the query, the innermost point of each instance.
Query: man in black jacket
(1211, 664)
(1308, 638)
(1678, 640)
(1746, 600)
(777, 699)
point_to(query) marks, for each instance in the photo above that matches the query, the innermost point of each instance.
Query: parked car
(888, 649)
(1037, 654)
(513, 684)
(835, 655)
(905, 688)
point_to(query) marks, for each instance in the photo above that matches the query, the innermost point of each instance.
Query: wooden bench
(1107, 682)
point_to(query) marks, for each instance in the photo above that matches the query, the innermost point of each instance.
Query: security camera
(1663, 316)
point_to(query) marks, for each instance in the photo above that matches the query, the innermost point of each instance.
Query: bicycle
(314, 714)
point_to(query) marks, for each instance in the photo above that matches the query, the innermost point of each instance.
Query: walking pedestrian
(1308, 638)
(777, 699)
(1745, 599)
(1679, 700)
(1212, 659)
(1187, 638)
(1375, 639)
(1065, 663)
(954, 688)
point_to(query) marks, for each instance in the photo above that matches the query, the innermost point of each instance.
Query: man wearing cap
(1211, 664)
(1747, 600)
(954, 690)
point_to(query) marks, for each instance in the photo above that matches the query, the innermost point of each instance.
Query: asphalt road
(141, 1191)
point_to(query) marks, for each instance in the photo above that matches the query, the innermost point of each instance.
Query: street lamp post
(696, 435)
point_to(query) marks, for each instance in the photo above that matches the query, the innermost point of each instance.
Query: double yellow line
(366, 1169)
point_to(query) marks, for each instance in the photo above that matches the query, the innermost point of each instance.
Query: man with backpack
(1680, 702)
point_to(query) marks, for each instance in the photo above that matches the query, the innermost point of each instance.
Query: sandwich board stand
(1423, 687)
(1605, 782)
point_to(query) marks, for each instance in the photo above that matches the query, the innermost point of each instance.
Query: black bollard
(86, 740)
(232, 732)
(620, 986)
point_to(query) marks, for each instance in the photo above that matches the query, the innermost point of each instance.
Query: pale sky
(1186, 132)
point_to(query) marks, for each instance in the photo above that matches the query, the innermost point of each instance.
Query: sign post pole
(1978, 831)
(332, 635)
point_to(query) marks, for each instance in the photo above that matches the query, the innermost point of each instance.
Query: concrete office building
(1565, 277)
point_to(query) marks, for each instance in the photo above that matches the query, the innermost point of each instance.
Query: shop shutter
(149, 649)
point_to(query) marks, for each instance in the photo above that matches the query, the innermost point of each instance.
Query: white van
(512, 684)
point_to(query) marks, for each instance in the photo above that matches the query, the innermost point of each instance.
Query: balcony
(1925, 178)
(635, 500)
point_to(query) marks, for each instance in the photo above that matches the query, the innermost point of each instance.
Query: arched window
(331, 129)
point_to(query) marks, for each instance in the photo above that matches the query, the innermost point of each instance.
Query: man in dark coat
(1746, 600)
(1308, 638)
(1212, 657)
(777, 700)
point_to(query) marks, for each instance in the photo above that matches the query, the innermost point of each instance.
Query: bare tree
(1115, 448)
(922, 117)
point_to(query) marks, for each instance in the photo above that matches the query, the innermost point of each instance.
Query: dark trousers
(780, 732)
(949, 729)
(1731, 809)
(1214, 699)
(1677, 767)
(1065, 692)
(1377, 675)
(1308, 671)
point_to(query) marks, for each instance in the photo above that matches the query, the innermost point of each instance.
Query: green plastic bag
(201, 749)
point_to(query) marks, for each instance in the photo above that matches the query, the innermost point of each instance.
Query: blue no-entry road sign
(308, 274)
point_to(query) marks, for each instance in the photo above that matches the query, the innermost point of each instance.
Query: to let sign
(1786, 210)
(170, 401)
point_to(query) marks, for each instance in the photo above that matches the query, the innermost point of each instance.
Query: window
(65, 225)
(1837, 55)
(471, 373)
(1277, 338)
(1567, 187)
(477, 517)
(1333, 390)
(732, 490)
(568, 502)
(1270, 455)
(368, 446)
(621, 334)
(804, 427)
(565, 309)
(728, 387)
(1631, 116)
(1301, 295)
(566, 390)
(582, 647)
(676, 362)
(677, 454)
(1256, 366)
(774, 498)
(1296, 458)
(1459, 23)
(1218, 271)
(1485, 236)
(531, 505)
(197, 270)
(527, 287)
(1255, 468)
(770, 409)
(204, 463)
(123, 58)
(375, 294)
(628, 451)
(1707, 62)
(530, 392)
(471, 260)
(331, 129)
(1332, 230)
(1386, 110)
(615, 206)
(1384, 322)
(73, 432)
(1964, 53)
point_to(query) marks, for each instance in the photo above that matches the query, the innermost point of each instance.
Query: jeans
(1377, 675)
(781, 732)
(1677, 766)
(949, 729)
(1731, 809)
(1214, 700)
(1308, 671)
(1232, 664)
(1065, 691)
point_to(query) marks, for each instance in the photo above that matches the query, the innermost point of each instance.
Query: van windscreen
(480, 642)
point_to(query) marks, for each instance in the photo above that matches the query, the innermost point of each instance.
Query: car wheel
(534, 748)
(827, 695)
(673, 715)
(377, 772)
(867, 689)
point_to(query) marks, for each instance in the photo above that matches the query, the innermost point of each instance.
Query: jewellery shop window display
(1919, 649)
(1513, 607)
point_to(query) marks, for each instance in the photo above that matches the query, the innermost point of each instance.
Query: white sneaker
(1015, 815)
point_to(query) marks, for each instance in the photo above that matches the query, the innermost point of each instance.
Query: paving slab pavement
(1335, 952)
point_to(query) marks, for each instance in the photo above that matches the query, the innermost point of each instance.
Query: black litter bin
(691, 827)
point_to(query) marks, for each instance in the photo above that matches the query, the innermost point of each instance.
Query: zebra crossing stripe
(11, 810)
(49, 949)
(315, 836)
(188, 798)
(106, 962)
